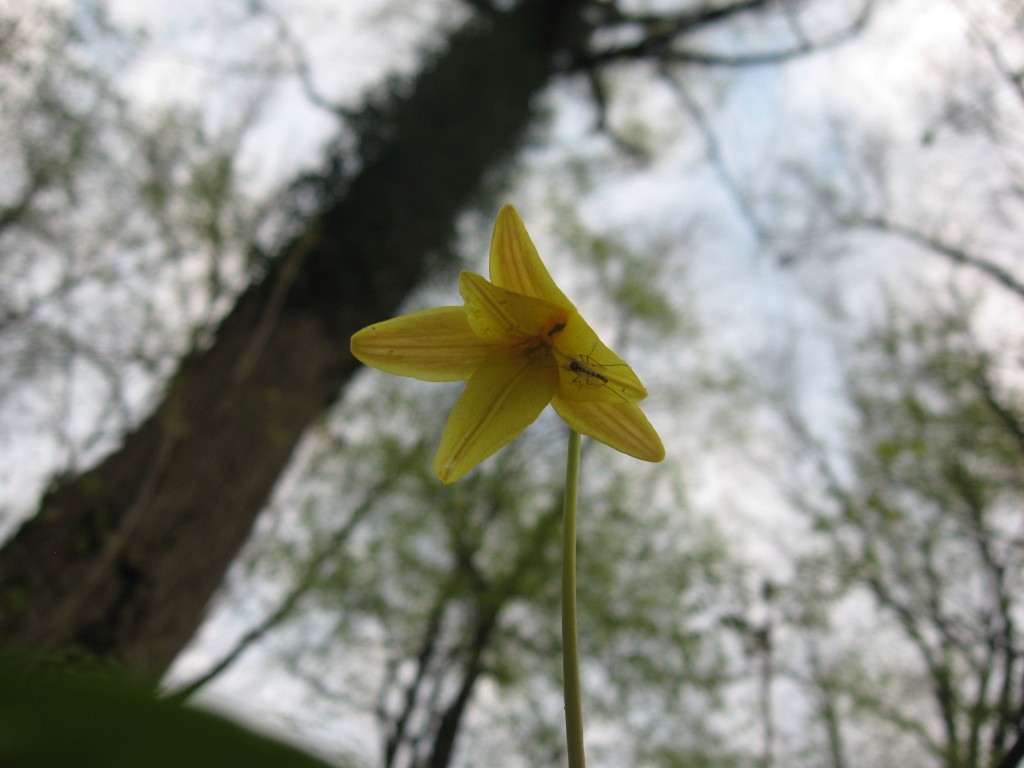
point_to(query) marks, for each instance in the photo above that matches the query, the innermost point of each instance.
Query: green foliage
(55, 715)
(671, 758)
(924, 517)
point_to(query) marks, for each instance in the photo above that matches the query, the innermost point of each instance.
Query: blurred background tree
(776, 206)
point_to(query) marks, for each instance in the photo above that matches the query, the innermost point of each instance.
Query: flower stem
(570, 646)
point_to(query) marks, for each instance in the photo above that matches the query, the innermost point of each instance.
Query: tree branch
(668, 25)
(301, 65)
(1015, 755)
(310, 576)
(1006, 416)
(949, 252)
(665, 32)
(717, 159)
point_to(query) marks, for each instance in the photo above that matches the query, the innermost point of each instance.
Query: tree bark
(121, 561)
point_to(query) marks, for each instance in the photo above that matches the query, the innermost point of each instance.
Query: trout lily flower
(520, 344)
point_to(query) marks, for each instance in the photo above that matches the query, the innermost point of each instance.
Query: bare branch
(1015, 755)
(11, 215)
(398, 724)
(665, 32)
(310, 576)
(949, 252)
(483, 7)
(301, 64)
(600, 96)
(1009, 419)
(666, 26)
(1013, 77)
(717, 158)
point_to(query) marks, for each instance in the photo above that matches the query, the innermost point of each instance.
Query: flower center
(554, 325)
(542, 343)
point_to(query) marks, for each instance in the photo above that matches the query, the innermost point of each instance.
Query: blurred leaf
(53, 717)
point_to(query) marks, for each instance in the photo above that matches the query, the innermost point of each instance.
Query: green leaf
(51, 717)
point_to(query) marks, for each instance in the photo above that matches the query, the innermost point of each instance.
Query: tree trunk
(448, 729)
(121, 561)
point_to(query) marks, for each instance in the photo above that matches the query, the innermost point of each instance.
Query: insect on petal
(589, 371)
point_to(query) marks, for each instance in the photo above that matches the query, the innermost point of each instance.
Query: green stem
(570, 646)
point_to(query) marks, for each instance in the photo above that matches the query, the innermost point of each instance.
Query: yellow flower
(520, 344)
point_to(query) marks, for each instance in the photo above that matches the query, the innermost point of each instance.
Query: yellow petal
(500, 315)
(623, 427)
(515, 264)
(589, 371)
(432, 345)
(504, 396)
